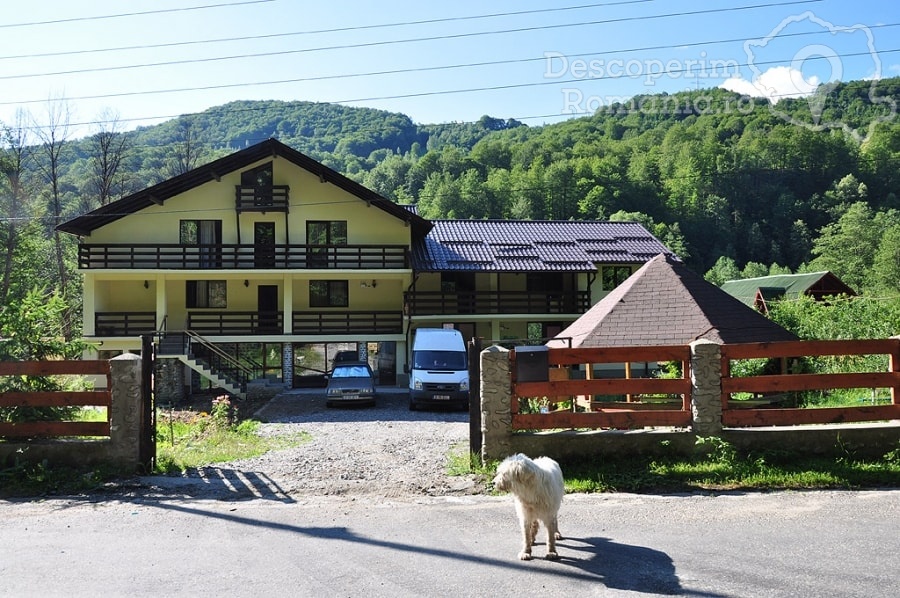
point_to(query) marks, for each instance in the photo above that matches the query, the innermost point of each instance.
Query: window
(200, 232)
(264, 244)
(207, 236)
(260, 180)
(206, 293)
(613, 276)
(326, 232)
(261, 176)
(328, 293)
(321, 234)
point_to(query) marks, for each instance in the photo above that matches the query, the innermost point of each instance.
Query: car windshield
(350, 371)
(441, 360)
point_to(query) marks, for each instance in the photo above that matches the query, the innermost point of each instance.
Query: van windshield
(439, 360)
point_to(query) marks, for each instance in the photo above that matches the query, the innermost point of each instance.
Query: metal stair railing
(220, 361)
(223, 365)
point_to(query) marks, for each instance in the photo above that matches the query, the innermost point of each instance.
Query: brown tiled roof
(533, 245)
(664, 303)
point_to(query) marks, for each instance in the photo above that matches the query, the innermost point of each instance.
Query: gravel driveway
(381, 452)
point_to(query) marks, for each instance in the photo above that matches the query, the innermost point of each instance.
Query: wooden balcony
(422, 303)
(146, 256)
(348, 322)
(124, 323)
(239, 323)
(262, 199)
(213, 323)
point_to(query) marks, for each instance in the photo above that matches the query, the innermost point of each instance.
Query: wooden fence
(778, 384)
(56, 398)
(644, 408)
(635, 413)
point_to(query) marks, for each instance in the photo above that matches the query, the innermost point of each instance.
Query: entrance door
(264, 244)
(267, 307)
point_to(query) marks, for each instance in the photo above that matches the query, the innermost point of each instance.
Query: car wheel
(413, 406)
(329, 403)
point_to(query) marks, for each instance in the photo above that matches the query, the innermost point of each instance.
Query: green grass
(184, 445)
(184, 440)
(720, 467)
(717, 466)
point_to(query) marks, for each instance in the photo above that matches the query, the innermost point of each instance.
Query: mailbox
(532, 364)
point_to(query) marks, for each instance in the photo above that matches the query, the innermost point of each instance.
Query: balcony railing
(262, 199)
(208, 323)
(175, 256)
(421, 303)
(218, 323)
(124, 323)
(348, 322)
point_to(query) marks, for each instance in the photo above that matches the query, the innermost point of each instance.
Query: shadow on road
(616, 566)
(625, 567)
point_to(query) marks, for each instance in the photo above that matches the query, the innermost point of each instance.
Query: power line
(132, 14)
(478, 89)
(332, 30)
(432, 69)
(408, 40)
(545, 83)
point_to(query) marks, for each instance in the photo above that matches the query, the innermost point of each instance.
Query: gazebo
(665, 303)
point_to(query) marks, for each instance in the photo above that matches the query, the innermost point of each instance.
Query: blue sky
(536, 61)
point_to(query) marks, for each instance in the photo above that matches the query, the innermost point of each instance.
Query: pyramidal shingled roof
(664, 303)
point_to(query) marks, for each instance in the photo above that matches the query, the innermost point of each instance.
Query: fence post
(496, 416)
(474, 350)
(125, 410)
(894, 366)
(148, 405)
(706, 388)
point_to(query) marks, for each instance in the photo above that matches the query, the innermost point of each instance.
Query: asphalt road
(806, 544)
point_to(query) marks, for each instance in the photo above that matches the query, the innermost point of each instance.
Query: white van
(438, 369)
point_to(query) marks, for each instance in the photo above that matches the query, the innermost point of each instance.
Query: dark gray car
(350, 383)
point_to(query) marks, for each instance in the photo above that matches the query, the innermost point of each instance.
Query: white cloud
(774, 84)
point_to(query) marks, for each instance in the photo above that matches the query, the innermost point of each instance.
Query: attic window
(260, 177)
(613, 276)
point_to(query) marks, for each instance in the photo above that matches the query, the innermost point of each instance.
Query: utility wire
(432, 69)
(131, 14)
(456, 91)
(403, 41)
(332, 30)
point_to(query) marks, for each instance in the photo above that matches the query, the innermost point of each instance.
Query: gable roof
(86, 223)
(532, 245)
(786, 286)
(664, 303)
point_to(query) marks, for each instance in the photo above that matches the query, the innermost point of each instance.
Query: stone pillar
(706, 388)
(496, 417)
(168, 381)
(125, 410)
(287, 365)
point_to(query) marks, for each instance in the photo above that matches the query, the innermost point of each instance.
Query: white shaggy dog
(537, 486)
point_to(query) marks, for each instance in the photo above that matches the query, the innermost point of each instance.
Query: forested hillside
(732, 186)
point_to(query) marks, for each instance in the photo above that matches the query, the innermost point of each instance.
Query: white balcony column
(89, 306)
(160, 283)
(288, 302)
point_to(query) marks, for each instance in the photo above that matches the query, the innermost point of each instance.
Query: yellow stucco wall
(310, 199)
